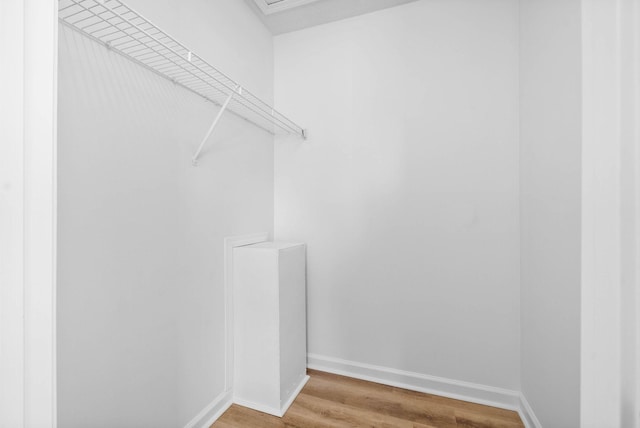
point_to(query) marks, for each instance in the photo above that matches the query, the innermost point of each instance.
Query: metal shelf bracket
(237, 90)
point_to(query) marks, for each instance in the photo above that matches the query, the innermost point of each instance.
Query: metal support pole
(213, 126)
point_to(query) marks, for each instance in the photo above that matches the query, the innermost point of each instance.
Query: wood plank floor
(331, 401)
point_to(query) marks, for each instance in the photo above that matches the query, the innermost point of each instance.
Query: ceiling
(283, 16)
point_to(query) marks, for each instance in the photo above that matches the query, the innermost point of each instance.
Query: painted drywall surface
(406, 191)
(600, 386)
(140, 291)
(550, 176)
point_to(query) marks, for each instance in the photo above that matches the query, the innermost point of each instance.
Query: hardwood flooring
(331, 401)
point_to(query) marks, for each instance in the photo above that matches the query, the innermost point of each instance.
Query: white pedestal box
(270, 332)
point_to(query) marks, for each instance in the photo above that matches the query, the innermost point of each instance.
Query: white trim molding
(28, 105)
(293, 395)
(527, 415)
(257, 406)
(212, 412)
(272, 410)
(281, 5)
(12, 214)
(459, 390)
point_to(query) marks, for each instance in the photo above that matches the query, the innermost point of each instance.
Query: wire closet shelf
(121, 29)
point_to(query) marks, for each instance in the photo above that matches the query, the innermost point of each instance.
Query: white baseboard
(459, 390)
(212, 412)
(273, 410)
(526, 414)
(256, 406)
(294, 394)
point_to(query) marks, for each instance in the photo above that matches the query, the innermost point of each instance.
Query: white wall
(550, 175)
(600, 390)
(407, 190)
(141, 317)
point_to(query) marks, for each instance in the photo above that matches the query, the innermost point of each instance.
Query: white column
(609, 216)
(630, 230)
(11, 214)
(28, 52)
